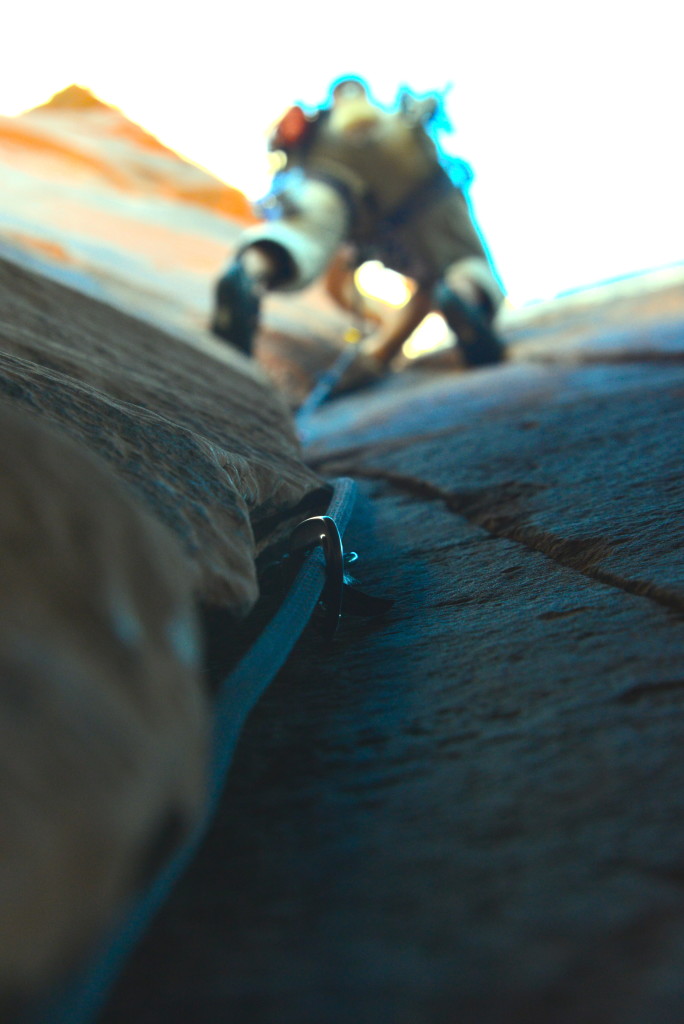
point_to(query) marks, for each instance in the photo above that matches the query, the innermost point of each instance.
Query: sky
(569, 113)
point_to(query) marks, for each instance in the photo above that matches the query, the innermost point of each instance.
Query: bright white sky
(569, 112)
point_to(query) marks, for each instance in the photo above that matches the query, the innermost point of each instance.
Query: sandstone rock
(138, 474)
(472, 809)
(194, 430)
(104, 722)
(85, 134)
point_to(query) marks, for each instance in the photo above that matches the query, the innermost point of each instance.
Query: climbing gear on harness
(322, 530)
(321, 576)
(339, 597)
(292, 130)
(477, 341)
(236, 309)
(280, 200)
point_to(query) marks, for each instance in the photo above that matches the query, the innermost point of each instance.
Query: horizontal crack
(648, 690)
(549, 616)
(494, 509)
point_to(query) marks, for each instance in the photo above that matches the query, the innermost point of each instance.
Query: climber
(370, 181)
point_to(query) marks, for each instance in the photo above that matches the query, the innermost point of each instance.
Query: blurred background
(568, 113)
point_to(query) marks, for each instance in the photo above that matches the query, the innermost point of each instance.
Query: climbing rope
(322, 572)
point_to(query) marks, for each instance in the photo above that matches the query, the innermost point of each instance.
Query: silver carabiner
(322, 531)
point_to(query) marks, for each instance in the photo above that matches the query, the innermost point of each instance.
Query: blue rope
(85, 996)
(322, 390)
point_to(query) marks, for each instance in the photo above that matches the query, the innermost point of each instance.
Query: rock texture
(140, 472)
(176, 422)
(69, 131)
(104, 718)
(101, 204)
(472, 810)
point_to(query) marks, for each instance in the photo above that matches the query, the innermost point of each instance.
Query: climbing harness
(322, 579)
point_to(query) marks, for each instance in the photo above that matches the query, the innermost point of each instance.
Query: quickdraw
(321, 581)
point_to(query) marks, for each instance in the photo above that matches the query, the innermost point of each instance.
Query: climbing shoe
(236, 310)
(478, 342)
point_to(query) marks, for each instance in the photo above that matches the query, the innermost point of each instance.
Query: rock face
(138, 475)
(73, 126)
(194, 431)
(103, 206)
(471, 810)
(141, 472)
(104, 721)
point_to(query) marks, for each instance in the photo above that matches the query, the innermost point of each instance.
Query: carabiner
(322, 531)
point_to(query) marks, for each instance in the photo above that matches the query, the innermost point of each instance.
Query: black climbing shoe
(478, 342)
(236, 310)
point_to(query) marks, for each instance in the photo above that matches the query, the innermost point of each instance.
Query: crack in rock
(550, 616)
(647, 690)
(496, 510)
